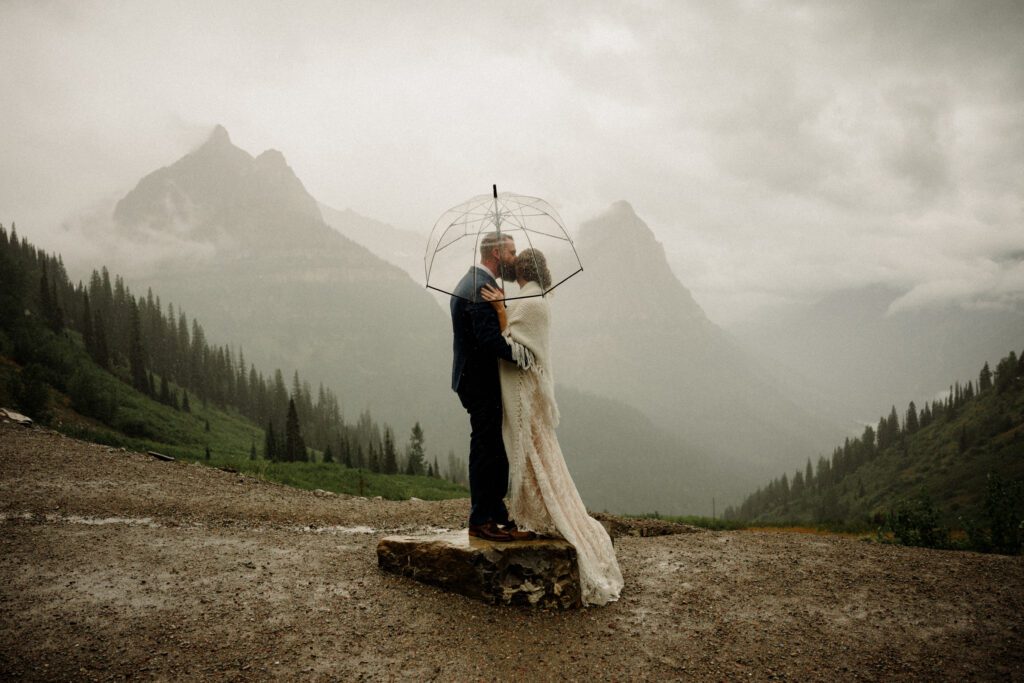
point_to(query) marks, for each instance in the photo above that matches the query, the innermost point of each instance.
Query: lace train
(542, 495)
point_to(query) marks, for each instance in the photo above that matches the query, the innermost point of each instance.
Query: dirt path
(115, 565)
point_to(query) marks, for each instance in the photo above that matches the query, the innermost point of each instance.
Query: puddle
(354, 530)
(76, 519)
(336, 530)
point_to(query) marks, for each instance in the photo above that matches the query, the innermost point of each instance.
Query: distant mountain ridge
(955, 452)
(855, 354)
(628, 328)
(403, 248)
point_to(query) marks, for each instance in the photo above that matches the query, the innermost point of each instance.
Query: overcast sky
(779, 150)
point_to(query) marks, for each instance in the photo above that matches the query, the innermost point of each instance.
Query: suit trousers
(488, 462)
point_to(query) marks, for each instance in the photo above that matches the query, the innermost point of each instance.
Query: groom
(477, 346)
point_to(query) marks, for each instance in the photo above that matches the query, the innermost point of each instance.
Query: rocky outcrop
(8, 415)
(541, 573)
(632, 526)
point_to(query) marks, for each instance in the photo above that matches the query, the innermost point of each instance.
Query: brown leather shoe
(489, 532)
(512, 530)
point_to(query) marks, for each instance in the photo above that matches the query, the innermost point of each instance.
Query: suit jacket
(477, 342)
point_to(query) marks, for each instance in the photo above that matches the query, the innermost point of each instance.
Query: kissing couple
(502, 375)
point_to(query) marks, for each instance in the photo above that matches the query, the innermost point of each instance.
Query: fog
(779, 151)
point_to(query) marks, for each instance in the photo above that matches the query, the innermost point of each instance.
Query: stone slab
(541, 573)
(8, 414)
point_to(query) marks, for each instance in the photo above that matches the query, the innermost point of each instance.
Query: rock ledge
(541, 573)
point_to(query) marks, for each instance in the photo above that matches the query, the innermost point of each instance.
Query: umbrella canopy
(454, 245)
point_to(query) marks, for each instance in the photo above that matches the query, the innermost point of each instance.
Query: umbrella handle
(495, 188)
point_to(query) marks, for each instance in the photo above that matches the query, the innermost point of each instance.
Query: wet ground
(115, 565)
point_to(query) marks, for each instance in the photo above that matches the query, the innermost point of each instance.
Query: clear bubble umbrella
(454, 245)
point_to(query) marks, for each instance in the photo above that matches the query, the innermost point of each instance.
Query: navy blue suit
(477, 346)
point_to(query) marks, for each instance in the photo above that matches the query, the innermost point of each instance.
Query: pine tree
(328, 454)
(894, 426)
(49, 309)
(165, 391)
(136, 353)
(374, 462)
(207, 452)
(868, 441)
(926, 416)
(1006, 372)
(294, 446)
(437, 469)
(345, 451)
(184, 403)
(416, 454)
(252, 450)
(911, 423)
(88, 336)
(269, 441)
(797, 488)
(389, 457)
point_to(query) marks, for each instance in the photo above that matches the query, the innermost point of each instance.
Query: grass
(713, 523)
(143, 424)
(717, 524)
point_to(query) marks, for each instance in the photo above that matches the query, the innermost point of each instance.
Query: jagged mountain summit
(631, 330)
(221, 193)
(260, 266)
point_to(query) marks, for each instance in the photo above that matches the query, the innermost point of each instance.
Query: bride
(542, 495)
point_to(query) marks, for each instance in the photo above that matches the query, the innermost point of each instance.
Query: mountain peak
(622, 208)
(220, 189)
(271, 157)
(622, 248)
(619, 224)
(219, 136)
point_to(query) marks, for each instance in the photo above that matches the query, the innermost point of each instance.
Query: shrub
(137, 428)
(89, 397)
(31, 393)
(917, 523)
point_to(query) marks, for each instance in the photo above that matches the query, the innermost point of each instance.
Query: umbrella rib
(575, 272)
(564, 238)
(477, 216)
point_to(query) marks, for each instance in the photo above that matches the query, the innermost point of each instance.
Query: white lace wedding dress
(542, 495)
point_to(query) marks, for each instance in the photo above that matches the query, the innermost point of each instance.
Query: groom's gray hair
(490, 241)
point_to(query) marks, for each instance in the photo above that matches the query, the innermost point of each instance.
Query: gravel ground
(115, 565)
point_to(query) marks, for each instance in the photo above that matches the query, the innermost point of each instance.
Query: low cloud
(780, 151)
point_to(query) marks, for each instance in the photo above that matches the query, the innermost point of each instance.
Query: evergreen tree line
(890, 433)
(165, 355)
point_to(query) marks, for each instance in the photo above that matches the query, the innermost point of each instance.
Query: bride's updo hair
(533, 267)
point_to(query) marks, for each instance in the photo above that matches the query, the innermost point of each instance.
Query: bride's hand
(493, 295)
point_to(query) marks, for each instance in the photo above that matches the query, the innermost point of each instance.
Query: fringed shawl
(528, 333)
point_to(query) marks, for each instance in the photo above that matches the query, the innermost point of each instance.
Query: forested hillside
(954, 463)
(137, 372)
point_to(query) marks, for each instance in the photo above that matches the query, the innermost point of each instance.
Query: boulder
(541, 573)
(6, 414)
